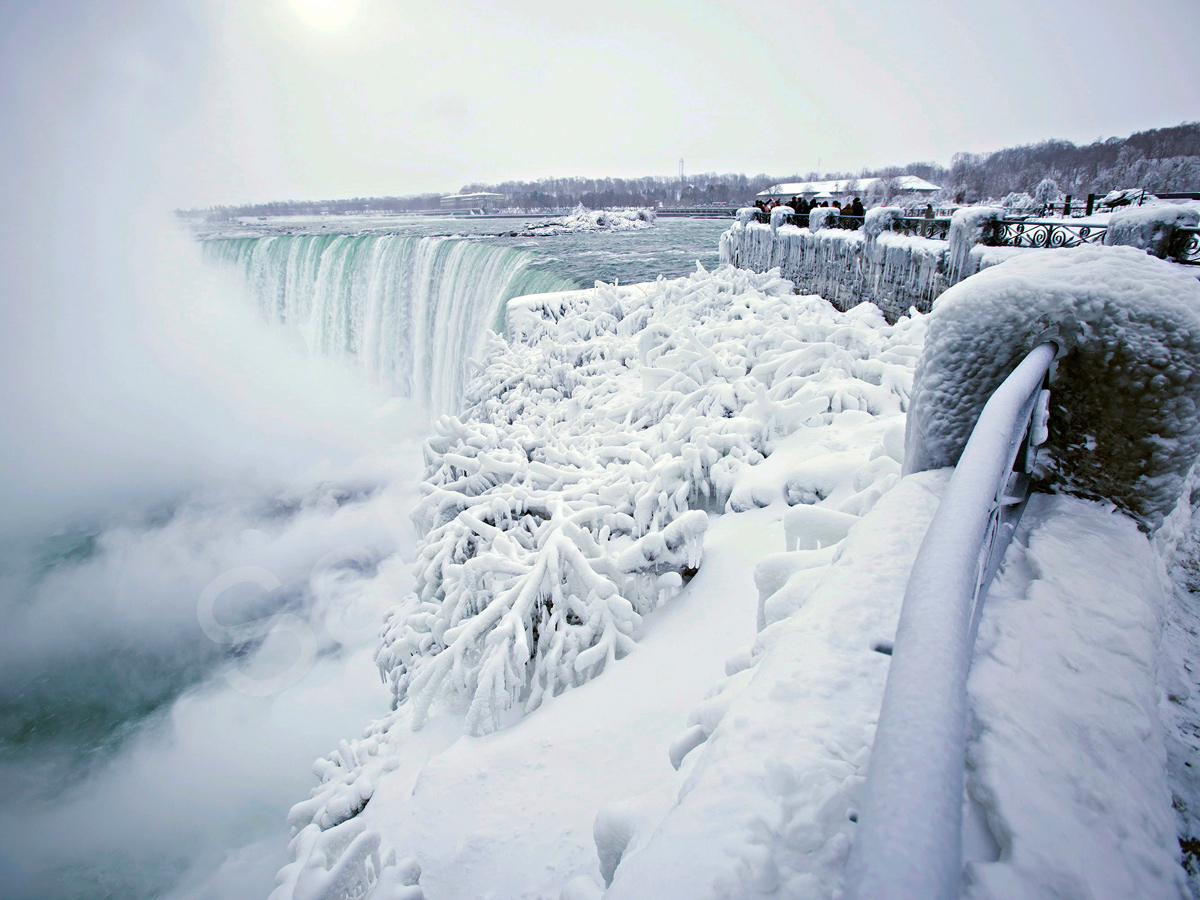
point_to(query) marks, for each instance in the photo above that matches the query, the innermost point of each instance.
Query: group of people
(848, 216)
(804, 207)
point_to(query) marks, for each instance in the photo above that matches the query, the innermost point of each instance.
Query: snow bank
(766, 807)
(585, 220)
(1152, 228)
(1124, 424)
(1178, 543)
(1066, 752)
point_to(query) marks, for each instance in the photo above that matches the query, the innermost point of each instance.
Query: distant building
(845, 189)
(481, 200)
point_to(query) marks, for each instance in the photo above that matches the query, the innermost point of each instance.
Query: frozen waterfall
(412, 310)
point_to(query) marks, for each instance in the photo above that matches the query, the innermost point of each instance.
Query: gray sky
(321, 98)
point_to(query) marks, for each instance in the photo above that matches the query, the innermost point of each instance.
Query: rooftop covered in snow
(477, 200)
(852, 186)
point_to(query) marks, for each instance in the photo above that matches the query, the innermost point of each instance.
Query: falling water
(412, 310)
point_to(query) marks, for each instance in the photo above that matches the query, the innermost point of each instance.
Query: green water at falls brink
(412, 310)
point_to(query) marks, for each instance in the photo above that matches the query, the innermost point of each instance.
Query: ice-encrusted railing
(909, 845)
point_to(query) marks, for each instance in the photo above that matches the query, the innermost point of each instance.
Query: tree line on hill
(1162, 160)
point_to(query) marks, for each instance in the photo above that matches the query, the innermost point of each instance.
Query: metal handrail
(909, 842)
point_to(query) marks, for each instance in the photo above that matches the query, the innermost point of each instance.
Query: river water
(172, 662)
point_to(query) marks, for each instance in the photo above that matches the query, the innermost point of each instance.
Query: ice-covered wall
(897, 272)
(894, 271)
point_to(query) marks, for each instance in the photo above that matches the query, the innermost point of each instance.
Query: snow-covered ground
(669, 531)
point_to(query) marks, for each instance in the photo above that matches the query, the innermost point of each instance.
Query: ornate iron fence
(937, 228)
(1044, 233)
(1189, 247)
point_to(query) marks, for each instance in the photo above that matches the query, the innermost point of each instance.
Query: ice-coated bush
(1047, 192)
(1018, 201)
(571, 496)
(1124, 423)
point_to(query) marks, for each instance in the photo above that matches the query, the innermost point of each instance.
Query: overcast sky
(247, 101)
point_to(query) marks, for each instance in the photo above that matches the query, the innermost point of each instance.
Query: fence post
(1091, 204)
(1067, 207)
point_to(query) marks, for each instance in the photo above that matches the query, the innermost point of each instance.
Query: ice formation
(577, 482)
(780, 215)
(818, 218)
(880, 219)
(1152, 228)
(582, 219)
(1124, 424)
(563, 504)
(969, 227)
(1127, 196)
(895, 271)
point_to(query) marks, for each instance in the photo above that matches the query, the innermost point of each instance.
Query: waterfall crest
(412, 310)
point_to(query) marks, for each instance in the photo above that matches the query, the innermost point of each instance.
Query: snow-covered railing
(909, 844)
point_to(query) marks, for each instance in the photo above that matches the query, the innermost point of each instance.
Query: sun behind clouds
(325, 15)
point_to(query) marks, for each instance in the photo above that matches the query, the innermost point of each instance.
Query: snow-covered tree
(1047, 192)
(569, 499)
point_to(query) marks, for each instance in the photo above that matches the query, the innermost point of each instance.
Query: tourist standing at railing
(856, 208)
(927, 228)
